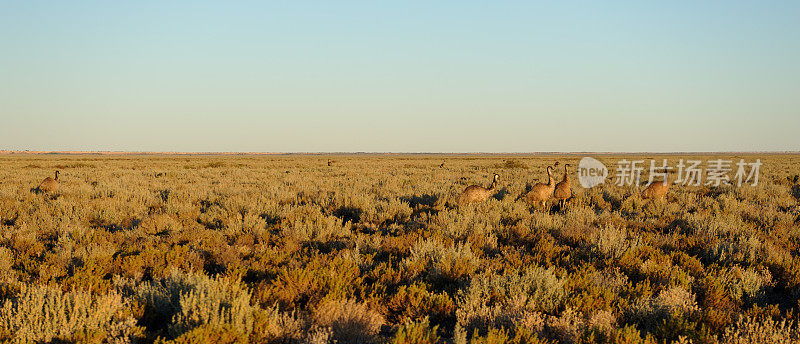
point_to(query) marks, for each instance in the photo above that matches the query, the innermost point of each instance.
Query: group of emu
(538, 194)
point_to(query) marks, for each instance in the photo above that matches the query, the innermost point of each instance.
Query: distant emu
(49, 185)
(541, 192)
(330, 163)
(563, 191)
(477, 193)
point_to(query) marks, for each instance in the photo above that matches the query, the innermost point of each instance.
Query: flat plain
(374, 249)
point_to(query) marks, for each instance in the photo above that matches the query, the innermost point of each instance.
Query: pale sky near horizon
(410, 76)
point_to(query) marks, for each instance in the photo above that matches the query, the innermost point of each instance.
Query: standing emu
(541, 192)
(563, 191)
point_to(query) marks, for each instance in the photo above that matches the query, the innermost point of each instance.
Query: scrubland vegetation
(286, 249)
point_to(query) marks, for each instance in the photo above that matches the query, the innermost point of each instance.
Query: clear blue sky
(409, 76)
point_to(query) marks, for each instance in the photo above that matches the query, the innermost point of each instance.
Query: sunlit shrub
(419, 332)
(673, 303)
(569, 326)
(415, 302)
(41, 313)
(208, 333)
(186, 301)
(308, 223)
(613, 242)
(349, 321)
(273, 326)
(441, 263)
(762, 331)
(302, 287)
(6, 262)
(507, 300)
(502, 336)
(747, 285)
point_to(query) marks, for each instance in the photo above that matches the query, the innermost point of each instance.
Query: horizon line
(101, 152)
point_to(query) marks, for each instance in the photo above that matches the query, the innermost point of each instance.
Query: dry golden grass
(279, 248)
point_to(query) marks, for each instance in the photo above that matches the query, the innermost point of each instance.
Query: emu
(477, 193)
(563, 191)
(541, 192)
(49, 185)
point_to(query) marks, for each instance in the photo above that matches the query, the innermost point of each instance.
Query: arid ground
(374, 249)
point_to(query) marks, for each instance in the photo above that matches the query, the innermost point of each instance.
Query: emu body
(49, 185)
(541, 192)
(563, 191)
(656, 190)
(477, 193)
